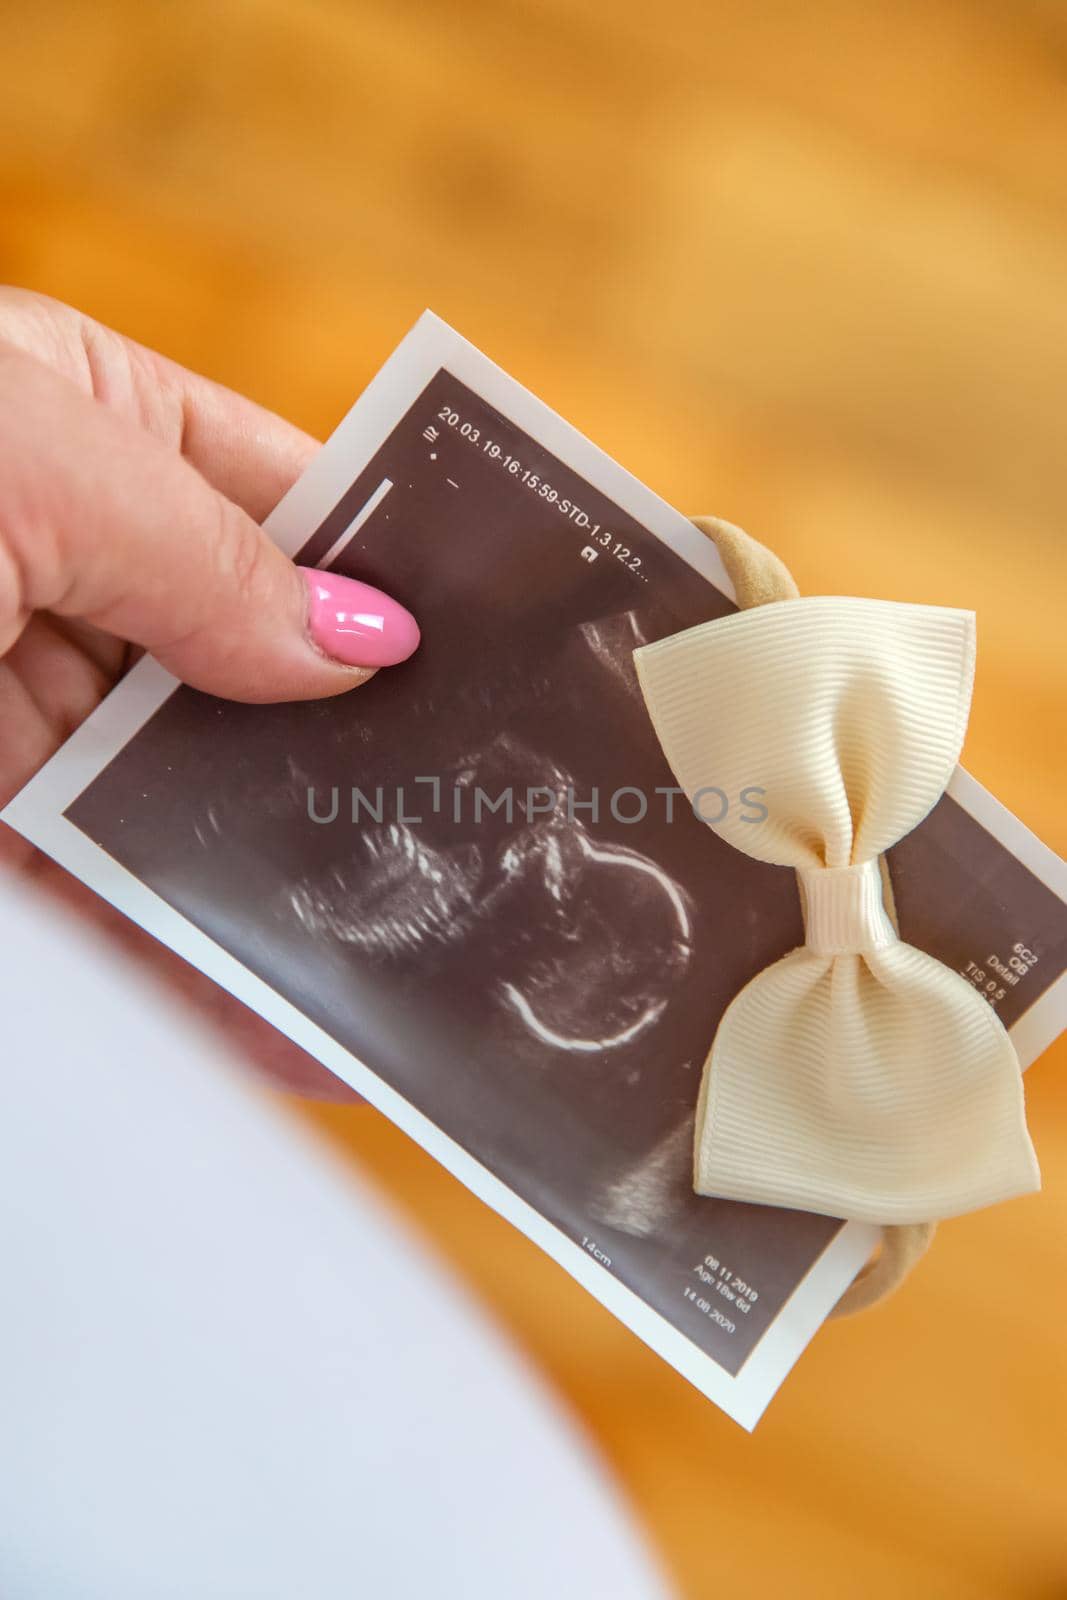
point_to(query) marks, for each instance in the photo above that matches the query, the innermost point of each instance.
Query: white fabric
(857, 1077)
(843, 909)
(226, 1372)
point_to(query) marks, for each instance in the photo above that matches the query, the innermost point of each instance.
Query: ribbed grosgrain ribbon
(858, 1076)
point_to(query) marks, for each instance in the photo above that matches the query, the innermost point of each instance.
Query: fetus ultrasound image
(542, 980)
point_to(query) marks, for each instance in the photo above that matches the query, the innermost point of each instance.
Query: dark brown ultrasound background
(544, 989)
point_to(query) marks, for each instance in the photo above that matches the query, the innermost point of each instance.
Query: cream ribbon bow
(857, 1077)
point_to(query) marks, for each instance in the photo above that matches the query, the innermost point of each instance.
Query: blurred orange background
(805, 267)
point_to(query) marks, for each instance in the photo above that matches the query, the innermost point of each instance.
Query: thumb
(101, 521)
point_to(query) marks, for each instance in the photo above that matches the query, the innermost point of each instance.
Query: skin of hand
(130, 496)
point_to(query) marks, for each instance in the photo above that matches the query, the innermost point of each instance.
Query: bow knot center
(844, 913)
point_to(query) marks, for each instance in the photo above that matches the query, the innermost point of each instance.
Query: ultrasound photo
(476, 874)
(542, 979)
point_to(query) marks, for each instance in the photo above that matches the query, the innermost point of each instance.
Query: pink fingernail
(356, 624)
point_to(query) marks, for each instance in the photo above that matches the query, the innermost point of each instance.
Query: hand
(130, 493)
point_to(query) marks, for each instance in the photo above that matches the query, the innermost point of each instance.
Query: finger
(248, 454)
(102, 522)
(64, 681)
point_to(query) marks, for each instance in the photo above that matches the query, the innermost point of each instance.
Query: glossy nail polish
(356, 624)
